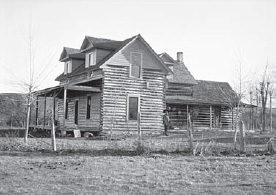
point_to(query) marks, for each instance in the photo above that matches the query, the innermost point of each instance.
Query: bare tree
(28, 84)
(264, 88)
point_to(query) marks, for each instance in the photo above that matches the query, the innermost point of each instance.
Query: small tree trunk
(263, 119)
(28, 122)
(242, 136)
(236, 124)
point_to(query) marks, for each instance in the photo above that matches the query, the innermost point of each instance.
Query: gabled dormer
(72, 59)
(96, 49)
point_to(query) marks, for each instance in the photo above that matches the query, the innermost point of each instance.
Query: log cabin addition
(122, 87)
(210, 104)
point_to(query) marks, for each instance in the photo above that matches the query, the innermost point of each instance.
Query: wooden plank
(83, 88)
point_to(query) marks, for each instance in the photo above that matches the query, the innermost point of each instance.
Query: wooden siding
(178, 115)
(200, 115)
(89, 124)
(117, 85)
(177, 89)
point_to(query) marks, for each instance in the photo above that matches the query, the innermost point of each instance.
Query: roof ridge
(212, 81)
(86, 36)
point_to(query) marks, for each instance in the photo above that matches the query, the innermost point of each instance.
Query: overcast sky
(213, 35)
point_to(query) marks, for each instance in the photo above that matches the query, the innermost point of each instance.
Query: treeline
(13, 110)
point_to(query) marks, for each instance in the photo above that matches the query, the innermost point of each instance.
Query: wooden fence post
(190, 131)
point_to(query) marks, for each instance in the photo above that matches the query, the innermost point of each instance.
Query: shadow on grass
(119, 152)
(82, 152)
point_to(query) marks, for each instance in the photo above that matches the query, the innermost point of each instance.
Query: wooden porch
(59, 97)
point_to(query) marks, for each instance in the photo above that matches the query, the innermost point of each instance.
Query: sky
(217, 37)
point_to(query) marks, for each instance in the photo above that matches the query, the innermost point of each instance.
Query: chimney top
(180, 57)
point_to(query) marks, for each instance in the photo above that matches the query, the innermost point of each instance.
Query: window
(136, 64)
(66, 110)
(68, 67)
(88, 107)
(133, 108)
(91, 58)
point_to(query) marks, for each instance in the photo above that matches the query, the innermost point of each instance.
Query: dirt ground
(102, 170)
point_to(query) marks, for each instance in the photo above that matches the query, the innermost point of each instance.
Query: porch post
(54, 107)
(232, 118)
(187, 116)
(36, 111)
(53, 131)
(44, 122)
(64, 111)
(211, 117)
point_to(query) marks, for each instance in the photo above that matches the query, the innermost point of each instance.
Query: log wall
(200, 115)
(88, 124)
(117, 85)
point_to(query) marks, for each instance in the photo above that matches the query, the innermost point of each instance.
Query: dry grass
(161, 166)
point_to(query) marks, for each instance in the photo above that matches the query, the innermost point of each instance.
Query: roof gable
(181, 74)
(66, 52)
(90, 42)
(130, 41)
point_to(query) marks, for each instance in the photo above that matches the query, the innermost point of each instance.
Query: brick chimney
(180, 57)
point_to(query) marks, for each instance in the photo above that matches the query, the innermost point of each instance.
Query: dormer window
(67, 67)
(90, 59)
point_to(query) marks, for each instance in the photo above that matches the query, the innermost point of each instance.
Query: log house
(124, 86)
(109, 86)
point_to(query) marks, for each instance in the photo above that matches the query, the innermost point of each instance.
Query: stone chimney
(180, 57)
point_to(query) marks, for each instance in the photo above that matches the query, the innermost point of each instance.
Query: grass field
(162, 166)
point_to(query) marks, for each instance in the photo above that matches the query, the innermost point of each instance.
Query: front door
(76, 111)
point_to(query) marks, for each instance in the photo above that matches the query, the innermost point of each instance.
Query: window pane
(133, 108)
(135, 71)
(69, 67)
(136, 63)
(132, 114)
(88, 107)
(91, 59)
(136, 59)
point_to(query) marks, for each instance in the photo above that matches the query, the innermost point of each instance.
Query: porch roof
(58, 90)
(208, 92)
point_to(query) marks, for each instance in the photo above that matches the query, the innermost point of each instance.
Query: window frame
(94, 58)
(138, 109)
(131, 65)
(67, 67)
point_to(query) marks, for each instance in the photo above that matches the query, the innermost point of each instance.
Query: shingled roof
(94, 42)
(181, 74)
(117, 45)
(114, 46)
(208, 92)
(214, 92)
(68, 51)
